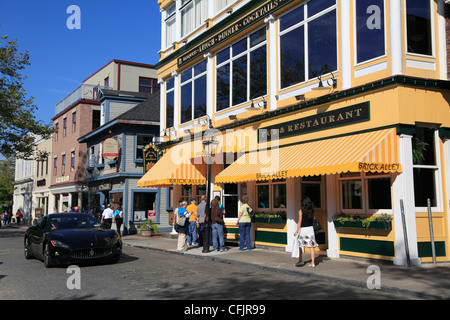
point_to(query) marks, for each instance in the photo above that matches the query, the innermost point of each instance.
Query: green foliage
(341, 218)
(6, 181)
(18, 123)
(148, 225)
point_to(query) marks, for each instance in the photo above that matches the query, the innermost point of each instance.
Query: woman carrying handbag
(305, 232)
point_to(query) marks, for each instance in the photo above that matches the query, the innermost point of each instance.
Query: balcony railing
(83, 92)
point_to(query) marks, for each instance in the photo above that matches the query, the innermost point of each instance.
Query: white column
(162, 106)
(177, 21)
(332, 196)
(293, 205)
(403, 189)
(346, 46)
(395, 8)
(272, 45)
(447, 174)
(176, 102)
(209, 85)
(163, 28)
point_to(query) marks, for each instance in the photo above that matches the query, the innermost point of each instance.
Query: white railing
(84, 91)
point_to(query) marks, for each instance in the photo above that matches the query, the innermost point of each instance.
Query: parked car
(71, 238)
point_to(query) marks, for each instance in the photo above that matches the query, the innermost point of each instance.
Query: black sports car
(71, 238)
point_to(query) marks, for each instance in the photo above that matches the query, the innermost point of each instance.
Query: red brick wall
(70, 141)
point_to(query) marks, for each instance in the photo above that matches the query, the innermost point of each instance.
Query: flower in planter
(148, 225)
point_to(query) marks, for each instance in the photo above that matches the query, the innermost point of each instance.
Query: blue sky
(62, 58)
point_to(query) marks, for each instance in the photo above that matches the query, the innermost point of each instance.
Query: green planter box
(358, 225)
(280, 220)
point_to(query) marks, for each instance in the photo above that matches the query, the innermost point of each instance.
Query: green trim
(358, 225)
(424, 249)
(444, 132)
(271, 237)
(382, 248)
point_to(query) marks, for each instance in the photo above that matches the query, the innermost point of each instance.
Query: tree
(6, 181)
(18, 126)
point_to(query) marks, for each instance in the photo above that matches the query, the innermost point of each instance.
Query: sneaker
(223, 250)
(299, 264)
(312, 265)
(241, 249)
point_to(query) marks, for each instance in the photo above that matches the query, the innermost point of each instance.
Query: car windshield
(73, 222)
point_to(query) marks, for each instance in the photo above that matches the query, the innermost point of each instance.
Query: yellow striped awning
(173, 169)
(374, 151)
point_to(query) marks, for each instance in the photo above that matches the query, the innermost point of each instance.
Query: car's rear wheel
(48, 262)
(26, 248)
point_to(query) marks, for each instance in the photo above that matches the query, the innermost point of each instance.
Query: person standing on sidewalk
(305, 232)
(201, 215)
(192, 235)
(244, 222)
(217, 226)
(182, 229)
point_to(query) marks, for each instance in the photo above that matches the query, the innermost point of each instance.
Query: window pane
(257, 37)
(263, 196)
(240, 80)
(223, 87)
(424, 187)
(258, 72)
(200, 97)
(186, 75)
(239, 47)
(186, 102)
(379, 193)
(279, 196)
(315, 6)
(322, 45)
(419, 26)
(423, 147)
(292, 18)
(223, 56)
(351, 194)
(292, 49)
(169, 109)
(200, 68)
(170, 83)
(370, 29)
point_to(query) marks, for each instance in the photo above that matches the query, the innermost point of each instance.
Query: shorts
(306, 238)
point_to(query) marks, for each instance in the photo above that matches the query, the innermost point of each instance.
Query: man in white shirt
(107, 216)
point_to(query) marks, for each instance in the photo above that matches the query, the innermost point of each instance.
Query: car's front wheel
(26, 248)
(48, 261)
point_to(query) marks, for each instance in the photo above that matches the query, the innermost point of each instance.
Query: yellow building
(342, 101)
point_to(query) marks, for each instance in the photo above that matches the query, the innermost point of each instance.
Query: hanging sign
(151, 156)
(110, 148)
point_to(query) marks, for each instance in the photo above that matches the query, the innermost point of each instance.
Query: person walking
(217, 226)
(19, 216)
(192, 235)
(201, 215)
(107, 216)
(244, 222)
(118, 218)
(182, 228)
(305, 232)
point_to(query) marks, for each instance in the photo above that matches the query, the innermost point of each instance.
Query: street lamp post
(209, 146)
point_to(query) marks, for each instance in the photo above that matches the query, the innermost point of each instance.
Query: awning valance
(374, 151)
(174, 169)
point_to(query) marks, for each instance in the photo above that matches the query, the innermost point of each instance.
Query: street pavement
(423, 282)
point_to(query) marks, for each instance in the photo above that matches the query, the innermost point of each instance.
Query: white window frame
(192, 80)
(355, 42)
(305, 22)
(433, 41)
(247, 52)
(437, 175)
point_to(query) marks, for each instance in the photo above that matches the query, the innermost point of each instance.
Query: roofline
(131, 63)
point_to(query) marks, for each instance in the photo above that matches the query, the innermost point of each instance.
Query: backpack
(250, 212)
